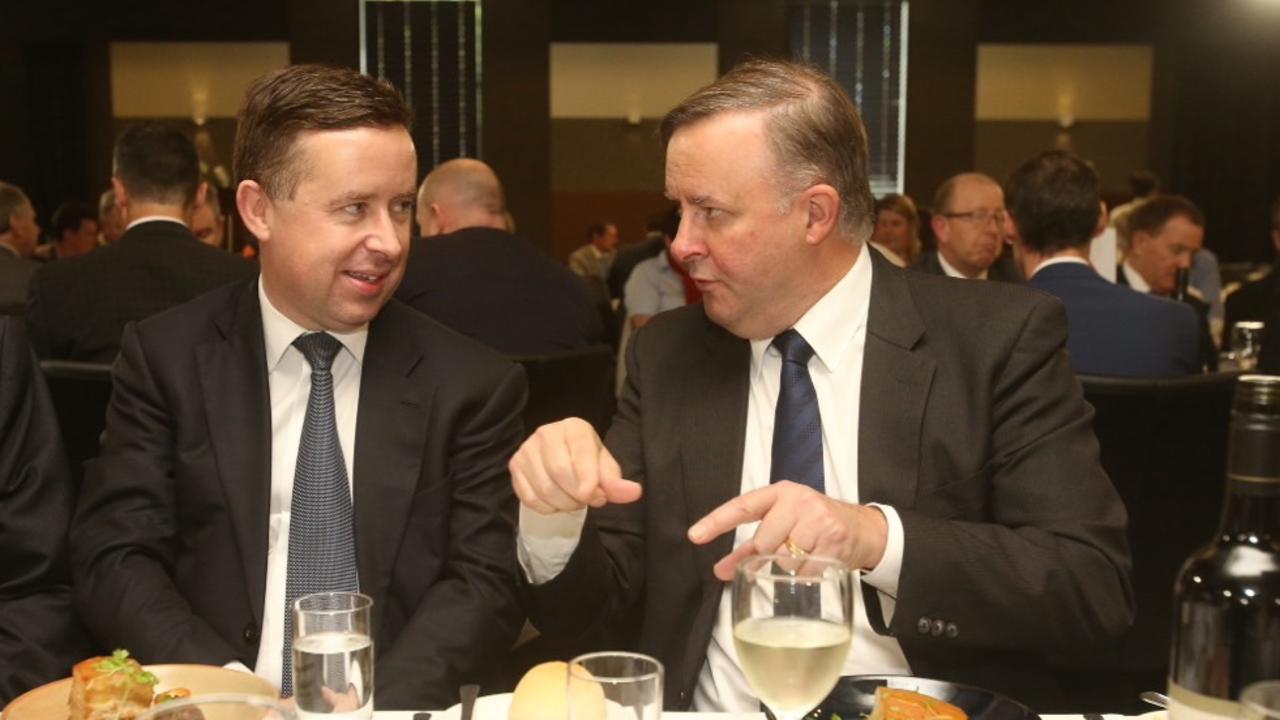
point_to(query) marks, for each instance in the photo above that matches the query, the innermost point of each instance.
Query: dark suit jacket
(169, 542)
(1255, 300)
(1005, 268)
(973, 428)
(1113, 330)
(1207, 349)
(79, 306)
(15, 281)
(499, 289)
(40, 637)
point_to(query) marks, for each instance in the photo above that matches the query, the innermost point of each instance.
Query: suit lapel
(392, 423)
(233, 376)
(895, 387)
(714, 429)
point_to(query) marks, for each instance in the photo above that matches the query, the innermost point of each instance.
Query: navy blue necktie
(322, 548)
(797, 427)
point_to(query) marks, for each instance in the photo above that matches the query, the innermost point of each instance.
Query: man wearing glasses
(969, 221)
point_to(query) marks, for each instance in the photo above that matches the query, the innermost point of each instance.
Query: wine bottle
(1226, 625)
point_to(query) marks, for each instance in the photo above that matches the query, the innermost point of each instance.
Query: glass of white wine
(792, 622)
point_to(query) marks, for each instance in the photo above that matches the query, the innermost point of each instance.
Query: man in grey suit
(969, 221)
(19, 234)
(949, 455)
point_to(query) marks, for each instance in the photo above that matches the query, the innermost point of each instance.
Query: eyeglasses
(979, 217)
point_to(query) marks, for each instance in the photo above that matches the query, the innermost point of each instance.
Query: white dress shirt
(838, 339)
(289, 379)
(1059, 260)
(1136, 281)
(155, 218)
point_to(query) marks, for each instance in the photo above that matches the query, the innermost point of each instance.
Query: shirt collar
(155, 218)
(827, 326)
(1059, 260)
(9, 248)
(279, 332)
(1136, 281)
(951, 271)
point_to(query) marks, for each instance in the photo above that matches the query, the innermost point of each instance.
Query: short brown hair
(285, 103)
(813, 129)
(1150, 216)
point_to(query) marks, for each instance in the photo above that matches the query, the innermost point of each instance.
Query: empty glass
(333, 655)
(615, 686)
(1246, 343)
(1260, 701)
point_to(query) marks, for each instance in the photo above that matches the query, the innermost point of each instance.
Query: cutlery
(468, 693)
(1160, 700)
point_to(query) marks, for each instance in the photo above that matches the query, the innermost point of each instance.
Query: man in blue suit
(1112, 330)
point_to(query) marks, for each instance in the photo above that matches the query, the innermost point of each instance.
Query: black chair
(80, 393)
(1164, 444)
(576, 383)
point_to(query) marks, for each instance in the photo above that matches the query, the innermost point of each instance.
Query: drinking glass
(224, 706)
(615, 686)
(1260, 701)
(1246, 343)
(333, 655)
(792, 622)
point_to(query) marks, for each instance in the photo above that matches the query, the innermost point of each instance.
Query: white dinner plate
(488, 707)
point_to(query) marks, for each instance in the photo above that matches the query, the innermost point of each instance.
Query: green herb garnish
(119, 664)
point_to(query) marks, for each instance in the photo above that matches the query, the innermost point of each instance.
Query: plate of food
(902, 697)
(118, 688)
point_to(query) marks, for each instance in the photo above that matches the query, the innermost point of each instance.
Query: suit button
(922, 625)
(952, 631)
(250, 634)
(937, 628)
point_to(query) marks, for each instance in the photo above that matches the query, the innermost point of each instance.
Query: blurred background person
(110, 221)
(969, 222)
(897, 229)
(594, 258)
(75, 232)
(19, 233)
(208, 223)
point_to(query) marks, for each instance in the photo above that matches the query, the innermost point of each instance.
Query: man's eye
(403, 207)
(710, 213)
(354, 209)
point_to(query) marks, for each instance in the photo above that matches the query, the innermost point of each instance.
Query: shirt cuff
(545, 543)
(237, 665)
(884, 576)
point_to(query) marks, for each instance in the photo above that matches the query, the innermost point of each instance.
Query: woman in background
(896, 233)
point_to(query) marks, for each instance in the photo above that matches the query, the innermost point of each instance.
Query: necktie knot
(319, 349)
(793, 347)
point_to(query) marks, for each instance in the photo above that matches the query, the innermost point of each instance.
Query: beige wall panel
(626, 80)
(191, 80)
(1064, 83)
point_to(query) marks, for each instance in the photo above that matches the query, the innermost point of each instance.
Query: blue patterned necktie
(797, 427)
(322, 548)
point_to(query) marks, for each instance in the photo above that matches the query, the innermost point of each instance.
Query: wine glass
(1246, 343)
(615, 686)
(333, 655)
(1260, 701)
(792, 623)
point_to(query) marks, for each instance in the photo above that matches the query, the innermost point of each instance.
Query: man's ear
(1104, 219)
(822, 203)
(202, 196)
(940, 226)
(255, 209)
(122, 198)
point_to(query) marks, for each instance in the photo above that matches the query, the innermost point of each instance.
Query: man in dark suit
(469, 273)
(40, 637)
(80, 305)
(19, 234)
(969, 223)
(1256, 300)
(1163, 236)
(234, 475)
(946, 451)
(1056, 210)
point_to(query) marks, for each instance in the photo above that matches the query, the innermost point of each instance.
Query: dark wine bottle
(1226, 625)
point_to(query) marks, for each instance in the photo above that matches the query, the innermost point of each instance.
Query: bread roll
(543, 691)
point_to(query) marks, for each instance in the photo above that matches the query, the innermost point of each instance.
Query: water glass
(615, 686)
(1260, 701)
(221, 706)
(792, 623)
(333, 655)
(1246, 343)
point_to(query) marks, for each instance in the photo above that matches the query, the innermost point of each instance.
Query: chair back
(576, 383)
(80, 393)
(1164, 445)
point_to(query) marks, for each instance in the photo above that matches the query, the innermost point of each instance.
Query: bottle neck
(1252, 507)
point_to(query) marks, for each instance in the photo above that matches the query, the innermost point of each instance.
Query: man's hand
(799, 515)
(564, 467)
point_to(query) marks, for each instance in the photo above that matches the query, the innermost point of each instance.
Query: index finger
(745, 508)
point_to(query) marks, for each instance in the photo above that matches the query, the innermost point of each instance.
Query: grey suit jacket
(169, 541)
(972, 426)
(15, 282)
